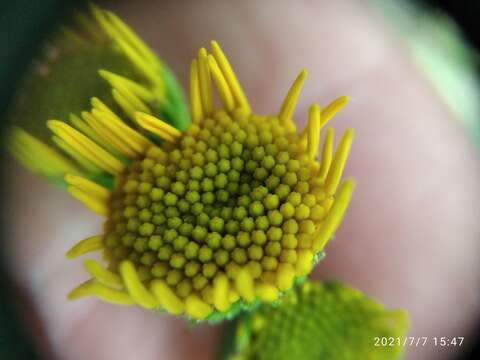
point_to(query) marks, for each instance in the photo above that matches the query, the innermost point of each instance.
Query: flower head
(319, 321)
(205, 219)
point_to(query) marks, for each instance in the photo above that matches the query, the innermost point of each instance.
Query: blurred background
(441, 39)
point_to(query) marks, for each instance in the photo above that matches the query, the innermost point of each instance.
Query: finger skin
(410, 237)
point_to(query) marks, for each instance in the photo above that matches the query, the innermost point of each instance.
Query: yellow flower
(211, 219)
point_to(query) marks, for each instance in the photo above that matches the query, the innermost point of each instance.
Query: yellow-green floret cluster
(320, 321)
(235, 191)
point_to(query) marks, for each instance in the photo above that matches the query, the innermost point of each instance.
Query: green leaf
(320, 321)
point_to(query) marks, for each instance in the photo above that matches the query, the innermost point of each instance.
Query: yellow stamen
(87, 245)
(86, 147)
(222, 85)
(195, 100)
(102, 275)
(157, 127)
(285, 276)
(224, 65)
(91, 287)
(166, 297)
(95, 204)
(338, 163)
(87, 186)
(220, 293)
(334, 107)
(205, 82)
(327, 153)
(244, 285)
(116, 80)
(197, 308)
(334, 217)
(288, 106)
(135, 288)
(313, 131)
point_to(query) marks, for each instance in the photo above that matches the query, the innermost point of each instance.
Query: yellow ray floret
(334, 107)
(135, 49)
(92, 288)
(237, 91)
(327, 153)
(224, 90)
(132, 98)
(205, 82)
(313, 129)
(304, 262)
(197, 308)
(196, 108)
(86, 164)
(157, 127)
(335, 215)
(129, 43)
(285, 276)
(83, 127)
(135, 288)
(338, 162)
(128, 102)
(86, 147)
(88, 186)
(167, 298)
(119, 81)
(245, 285)
(87, 245)
(125, 32)
(290, 102)
(102, 275)
(34, 154)
(94, 203)
(220, 293)
(106, 135)
(267, 292)
(131, 137)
